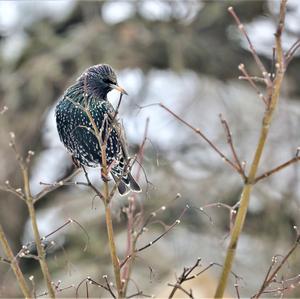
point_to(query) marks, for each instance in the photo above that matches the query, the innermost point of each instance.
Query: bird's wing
(118, 126)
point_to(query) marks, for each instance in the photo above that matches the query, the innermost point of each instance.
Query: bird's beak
(118, 88)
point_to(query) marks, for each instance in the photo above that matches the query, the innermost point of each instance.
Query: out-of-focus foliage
(202, 47)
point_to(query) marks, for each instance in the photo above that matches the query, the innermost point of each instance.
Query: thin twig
(291, 52)
(4, 260)
(187, 275)
(270, 276)
(184, 277)
(52, 187)
(179, 287)
(198, 131)
(70, 221)
(98, 193)
(230, 142)
(276, 169)
(117, 108)
(175, 223)
(140, 293)
(252, 80)
(8, 188)
(131, 237)
(252, 49)
(108, 286)
(236, 286)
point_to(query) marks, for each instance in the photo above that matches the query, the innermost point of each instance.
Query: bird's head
(99, 80)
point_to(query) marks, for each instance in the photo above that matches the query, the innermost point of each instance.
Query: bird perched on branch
(87, 123)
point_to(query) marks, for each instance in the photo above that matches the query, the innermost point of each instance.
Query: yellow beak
(118, 88)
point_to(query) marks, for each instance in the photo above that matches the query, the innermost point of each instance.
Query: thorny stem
(245, 196)
(14, 265)
(40, 248)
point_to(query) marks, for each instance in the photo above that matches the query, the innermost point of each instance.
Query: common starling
(76, 130)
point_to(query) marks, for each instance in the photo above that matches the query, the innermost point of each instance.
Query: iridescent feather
(76, 131)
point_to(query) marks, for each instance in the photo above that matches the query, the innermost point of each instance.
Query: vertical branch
(40, 249)
(29, 200)
(267, 120)
(14, 264)
(109, 225)
(113, 251)
(106, 194)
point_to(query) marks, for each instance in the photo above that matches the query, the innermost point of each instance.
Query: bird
(82, 112)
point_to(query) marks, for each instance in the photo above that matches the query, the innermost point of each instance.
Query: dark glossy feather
(76, 131)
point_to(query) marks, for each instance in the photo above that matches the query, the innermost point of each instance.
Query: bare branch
(198, 131)
(93, 282)
(276, 169)
(130, 212)
(55, 186)
(259, 63)
(273, 90)
(8, 188)
(175, 223)
(271, 275)
(230, 142)
(252, 80)
(291, 52)
(98, 193)
(184, 277)
(179, 287)
(14, 264)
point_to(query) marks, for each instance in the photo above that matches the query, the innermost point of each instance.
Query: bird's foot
(105, 177)
(76, 162)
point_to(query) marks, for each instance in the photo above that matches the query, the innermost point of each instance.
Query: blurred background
(184, 54)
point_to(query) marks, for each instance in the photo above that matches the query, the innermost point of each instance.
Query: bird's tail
(126, 184)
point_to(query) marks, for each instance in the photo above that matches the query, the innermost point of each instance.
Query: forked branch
(270, 276)
(273, 91)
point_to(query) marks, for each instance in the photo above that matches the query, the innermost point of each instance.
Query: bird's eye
(107, 81)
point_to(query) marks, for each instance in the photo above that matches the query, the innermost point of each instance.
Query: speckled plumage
(76, 131)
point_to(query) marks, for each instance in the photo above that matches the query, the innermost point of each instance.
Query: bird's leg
(110, 166)
(104, 177)
(75, 162)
